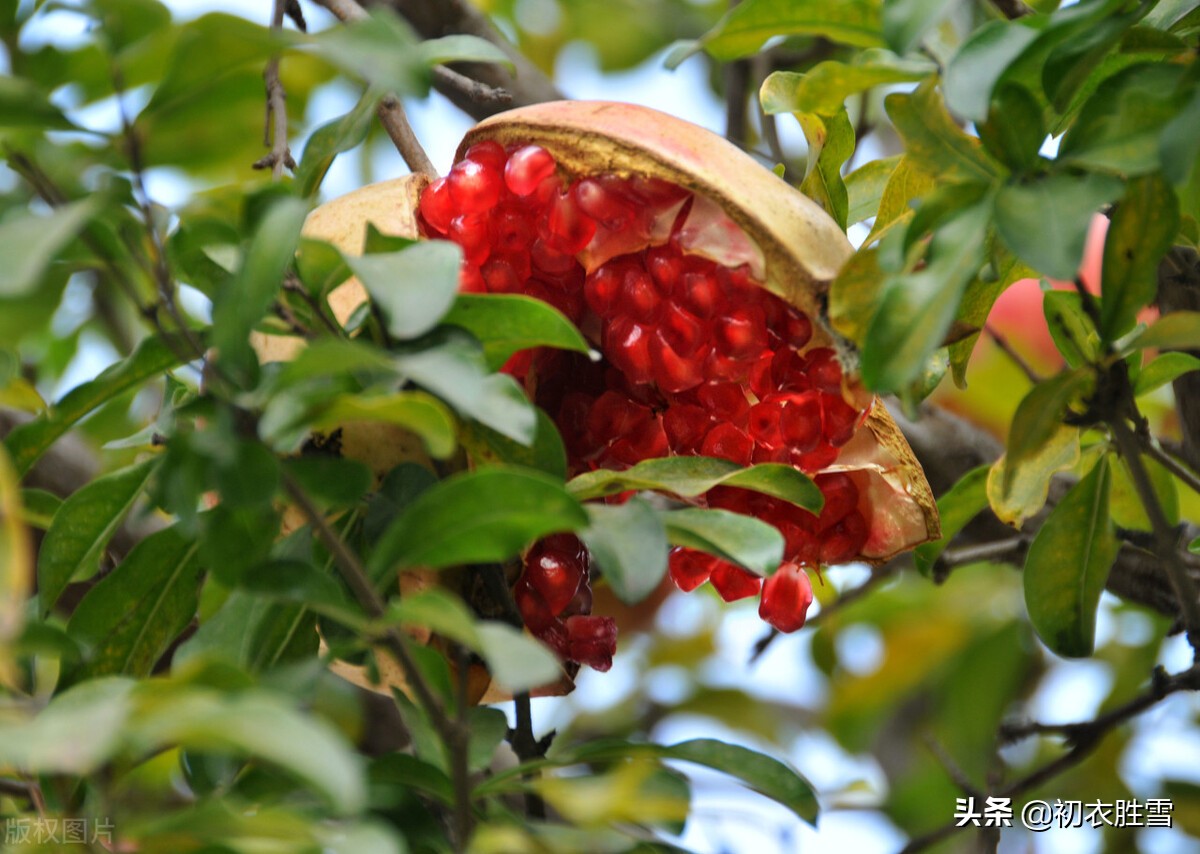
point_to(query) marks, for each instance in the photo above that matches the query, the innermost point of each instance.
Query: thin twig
(1166, 545)
(528, 749)
(974, 553)
(390, 111)
(1017, 358)
(460, 771)
(480, 93)
(275, 125)
(1172, 464)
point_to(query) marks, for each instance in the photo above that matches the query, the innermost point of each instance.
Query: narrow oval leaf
(825, 88)
(691, 476)
(127, 621)
(748, 542)
(16, 558)
(83, 526)
(152, 356)
(462, 48)
(79, 731)
(980, 63)
(934, 141)
(865, 186)
(413, 287)
(1164, 369)
(1040, 413)
(1142, 229)
(517, 662)
(477, 517)
(1018, 492)
(421, 413)
(629, 544)
(1068, 565)
(506, 323)
(28, 243)
(1177, 330)
(746, 27)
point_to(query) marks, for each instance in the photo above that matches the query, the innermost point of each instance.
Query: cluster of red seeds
(554, 595)
(698, 358)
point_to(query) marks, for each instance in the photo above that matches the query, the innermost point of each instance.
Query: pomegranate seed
(638, 297)
(690, 568)
(800, 421)
(732, 582)
(567, 228)
(470, 280)
(534, 610)
(555, 574)
(501, 278)
(700, 294)
(743, 333)
(845, 540)
(436, 207)
(729, 443)
(602, 204)
(555, 636)
(513, 229)
(763, 423)
(686, 426)
(549, 260)
(471, 233)
(818, 458)
(592, 640)
(581, 603)
(841, 496)
(838, 419)
(601, 288)
(627, 345)
(527, 168)
(474, 187)
(672, 372)
(787, 371)
(614, 415)
(489, 154)
(726, 401)
(786, 597)
(759, 375)
(665, 267)
(798, 328)
(823, 370)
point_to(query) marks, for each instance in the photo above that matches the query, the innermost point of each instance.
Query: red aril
(785, 599)
(733, 583)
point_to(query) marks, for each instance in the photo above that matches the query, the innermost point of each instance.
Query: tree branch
(275, 126)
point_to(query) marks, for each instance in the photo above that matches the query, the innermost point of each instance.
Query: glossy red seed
(683, 330)
(627, 345)
(534, 610)
(729, 443)
(786, 597)
(638, 297)
(844, 541)
(548, 260)
(665, 266)
(742, 334)
(597, 199)
(470, 280)
(823, 370)
(436, 206)
(646, 441)
(798, 328)
(613, 415)
(567, 228)
(582, 601)
(592, 640)
(787, 371)
(601, 289)
(518, 365)
(763, 423)
(700, 294)
(726, 401)
(686, 426)
(555, 574)
(501, 278)
(818, 458)
(838, 419)
(841, 497)
(733, 583)
(554, 636)
(474, 187)
(800, 421)
(527, 168)
(512, 229)
(489, 153)
(689, 568)
(670, 371)
(471, 232)
(759, 375)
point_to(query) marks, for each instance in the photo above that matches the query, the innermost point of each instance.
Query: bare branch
(275, 128)
(446, 79)
(1012, 354)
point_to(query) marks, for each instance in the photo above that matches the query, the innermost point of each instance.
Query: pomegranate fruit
(700, 277)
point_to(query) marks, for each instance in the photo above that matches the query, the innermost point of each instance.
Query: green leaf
(476, 517)
(254, 633)
(128, 620)
(506, 323)
(958, 505)
(1125, 504)
(917, 309)
(16, 557)
(1071, 62)
(629, 544)
(1015, 130)
(907, 183)
(826, 86)
(414, 287)
(547, 453)
(488, 728)
(381, 49)
(692, 476)
(78, 732)
(905, 22)
(333, 481)
(408, 772)
(330, 140)
(855, 293)
(746, 541)
(934, 142)
(1068, 565)
(257, 724)
(249, 294)
(1177, 330)
(1164, 369)
(1118, 129)
(1069, 326)
(1040, 414)
(23, 104)
(28, 243)
(1179, 143)
(83, 526)
(516, 661)
(830, 144)
(865, 186)
(1045, 221)
(421, 413)
(1018, 492)
(746, 27)
(462, 48)
(450, 364)
(1141, 231)
(763, 774)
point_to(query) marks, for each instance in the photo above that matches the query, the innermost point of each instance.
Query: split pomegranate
(700, 278)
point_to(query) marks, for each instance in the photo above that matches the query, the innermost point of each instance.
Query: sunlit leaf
(414, 287)
(1018, 492)
(1165, 368)
(28, 243)
(744, 540)
(1040, 413)
(506, 323)
(629, 543)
